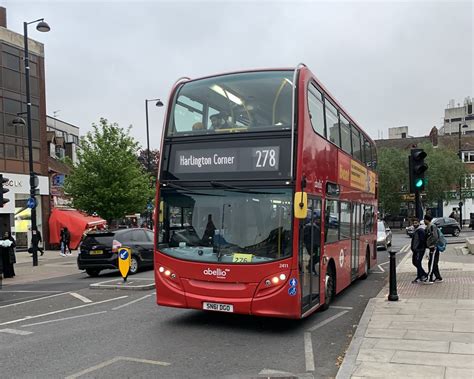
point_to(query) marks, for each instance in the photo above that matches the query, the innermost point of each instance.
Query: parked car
(99, 250)
(448, 225)
(384, 235)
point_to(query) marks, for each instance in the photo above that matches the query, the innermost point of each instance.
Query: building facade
(14, 157)
(456, 117)
(63, 142)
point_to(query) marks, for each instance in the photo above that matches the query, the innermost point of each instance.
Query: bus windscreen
(225, 225)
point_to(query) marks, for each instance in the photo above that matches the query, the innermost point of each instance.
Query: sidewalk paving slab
(429, 332)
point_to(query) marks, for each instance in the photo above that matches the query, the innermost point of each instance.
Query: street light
(460, 179)
(159, 103)
(41, 26)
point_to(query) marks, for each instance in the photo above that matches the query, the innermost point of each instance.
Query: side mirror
(301, 205)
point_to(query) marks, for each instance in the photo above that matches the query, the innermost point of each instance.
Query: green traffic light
(419, 183)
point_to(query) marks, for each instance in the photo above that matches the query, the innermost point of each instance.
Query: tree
(443, 175)
(108, 178)
(392, 167)
(154, 160)
(445, 169)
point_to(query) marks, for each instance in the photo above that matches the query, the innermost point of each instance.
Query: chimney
(3, 17)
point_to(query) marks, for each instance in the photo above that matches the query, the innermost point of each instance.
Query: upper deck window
(243, 102)
(316, 109)
(332, 123)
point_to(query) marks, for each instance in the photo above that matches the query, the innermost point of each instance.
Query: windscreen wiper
(240, 189)
(187, 190)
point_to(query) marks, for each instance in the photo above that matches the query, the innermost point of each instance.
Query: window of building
(316, 110)
(2, 151)
(11, 80)
(356, 151)
(10, 61)
(12, 106)
(35, 130)
(33, 69)
(11, 50)
(456, 119)
(468, 156)
(332, 123)
(346, 135)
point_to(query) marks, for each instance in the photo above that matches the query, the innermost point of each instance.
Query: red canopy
(75, 221)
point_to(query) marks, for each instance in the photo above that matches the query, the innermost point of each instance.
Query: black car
(448, 225)
(99, 250)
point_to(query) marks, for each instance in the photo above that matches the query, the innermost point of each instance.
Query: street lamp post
(42, 27)
(460, 179)
(159, 103)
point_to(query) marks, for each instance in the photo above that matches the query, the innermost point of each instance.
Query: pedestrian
(36, 240)
(418, 247)
(7, 247)
(432, 238)
(65, 240)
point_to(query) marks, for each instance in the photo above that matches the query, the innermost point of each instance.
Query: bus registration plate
(218, 307)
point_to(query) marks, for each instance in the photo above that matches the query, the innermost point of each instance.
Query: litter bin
(471, 220)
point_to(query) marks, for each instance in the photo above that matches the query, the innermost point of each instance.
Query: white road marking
(26, 291)
(340, 307)
(381, 268)
(15, 331)
(62, 319)
(80, 297)
(270, 373)
(29, 301)
(384, 263)
(62, 310)
(132, 302)
(327, 321)
(308, 352)
(113, 360)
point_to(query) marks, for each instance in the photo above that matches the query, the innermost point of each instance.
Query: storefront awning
(75, 221)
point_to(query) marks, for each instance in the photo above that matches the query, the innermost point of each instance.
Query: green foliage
(108, 178)
(444, 171)
(443, 174)
(392, 167)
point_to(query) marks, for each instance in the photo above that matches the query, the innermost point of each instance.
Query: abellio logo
(218, 272)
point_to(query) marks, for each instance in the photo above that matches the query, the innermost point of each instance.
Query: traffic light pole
(418, 207)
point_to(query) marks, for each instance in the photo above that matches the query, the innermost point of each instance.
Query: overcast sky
(388, 63)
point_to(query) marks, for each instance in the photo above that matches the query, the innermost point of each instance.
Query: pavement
(428, 332)
(50, 265)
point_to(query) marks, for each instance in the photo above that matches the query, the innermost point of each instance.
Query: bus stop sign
(124, 257)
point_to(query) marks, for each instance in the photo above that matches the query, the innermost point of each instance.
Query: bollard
(393, 296)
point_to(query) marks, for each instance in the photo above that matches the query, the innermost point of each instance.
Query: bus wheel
(329, 287)
(366, 266)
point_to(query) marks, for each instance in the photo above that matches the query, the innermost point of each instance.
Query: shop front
(15, 216)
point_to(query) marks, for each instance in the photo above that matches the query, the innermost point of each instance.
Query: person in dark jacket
(65, 240)
(7, 247)
(418, 247)
(36, 239)
(432, 238)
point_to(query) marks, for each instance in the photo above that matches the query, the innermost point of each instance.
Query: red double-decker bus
(267, 195)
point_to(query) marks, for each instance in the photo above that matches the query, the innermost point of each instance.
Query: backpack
(441, 245)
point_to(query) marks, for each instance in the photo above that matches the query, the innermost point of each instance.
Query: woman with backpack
(432, 239)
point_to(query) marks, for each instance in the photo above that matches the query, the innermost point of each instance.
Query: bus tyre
(366, 266)
(329, 287)
(92, 272)
(134, 265)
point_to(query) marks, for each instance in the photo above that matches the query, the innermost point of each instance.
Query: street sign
(124, 258)
(31, 203)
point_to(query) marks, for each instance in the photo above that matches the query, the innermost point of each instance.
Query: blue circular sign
(123, 254)
(292, 291)
(293, 282)
(31, 203)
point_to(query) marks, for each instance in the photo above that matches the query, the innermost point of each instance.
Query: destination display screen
(261, 158)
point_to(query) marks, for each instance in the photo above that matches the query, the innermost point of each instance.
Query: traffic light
(417, 168)
(4, 190)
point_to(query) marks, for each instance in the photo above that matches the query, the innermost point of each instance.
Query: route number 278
(266, 158)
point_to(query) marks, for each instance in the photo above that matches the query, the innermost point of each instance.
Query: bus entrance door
(309, 255)
(355, 237)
